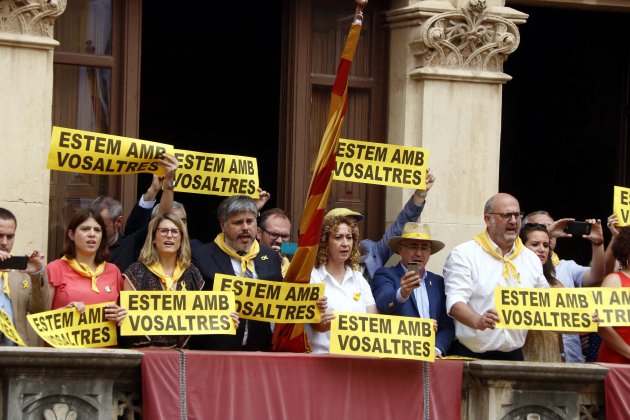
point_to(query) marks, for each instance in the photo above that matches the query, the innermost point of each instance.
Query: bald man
(495, 257)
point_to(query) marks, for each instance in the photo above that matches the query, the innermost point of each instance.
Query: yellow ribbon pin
(264, 258)
(25, 284)
(357, 296)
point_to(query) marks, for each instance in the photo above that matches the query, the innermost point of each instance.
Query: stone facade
(54, 384)
(26, 85)
(494, 390)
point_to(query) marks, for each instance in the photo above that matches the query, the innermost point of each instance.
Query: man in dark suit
(401, 290)
(236, 251)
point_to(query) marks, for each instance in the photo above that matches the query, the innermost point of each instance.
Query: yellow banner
(612, 304)
(215, 174)
(402, 337)
(381, 164)
(273, 301)
(67, 328)
(555, 309)
(177, 313)
(621, 205)
(8, 329)
(97, 153)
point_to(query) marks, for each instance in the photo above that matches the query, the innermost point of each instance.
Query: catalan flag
(291, 337)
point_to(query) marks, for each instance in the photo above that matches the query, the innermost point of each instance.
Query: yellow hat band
(420, 236)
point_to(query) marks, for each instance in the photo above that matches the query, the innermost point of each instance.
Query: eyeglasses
(417, 247)
(165, 231)
(507, 216)
(276, 235)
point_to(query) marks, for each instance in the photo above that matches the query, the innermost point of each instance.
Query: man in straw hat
(408, 290)
(495, 257)
(374, 255)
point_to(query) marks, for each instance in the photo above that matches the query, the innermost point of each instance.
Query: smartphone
(288, 248)
(14, 263)
(413, 266)
(578, 229)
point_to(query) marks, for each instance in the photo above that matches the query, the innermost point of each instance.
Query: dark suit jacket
(127, 249)
(385, 284)
(210, 260)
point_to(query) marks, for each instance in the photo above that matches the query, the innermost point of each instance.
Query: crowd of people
(154, 252)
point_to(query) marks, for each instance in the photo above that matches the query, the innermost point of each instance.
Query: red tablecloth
(241, 385)
(617, 385)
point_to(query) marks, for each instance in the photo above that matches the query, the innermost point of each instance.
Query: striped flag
(291, 337)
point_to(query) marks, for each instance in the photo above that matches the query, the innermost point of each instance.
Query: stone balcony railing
(54, 384)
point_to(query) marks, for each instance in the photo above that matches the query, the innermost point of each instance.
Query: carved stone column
(446, 75)
(26, 85)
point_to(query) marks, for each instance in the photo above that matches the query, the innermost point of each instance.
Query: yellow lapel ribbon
(5, 286)
(247, 260)
(555, 260)
(170, 282)
(508, 266)
(85, 271)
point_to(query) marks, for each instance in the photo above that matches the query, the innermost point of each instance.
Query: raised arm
(410, 213)
(595, 275)
(170, 164)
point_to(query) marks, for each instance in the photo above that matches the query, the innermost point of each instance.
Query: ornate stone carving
(30, 17)
(60, 411)
(466, 39)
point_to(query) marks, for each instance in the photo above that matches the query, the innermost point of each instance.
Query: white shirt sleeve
(458, 281)
(146, 204)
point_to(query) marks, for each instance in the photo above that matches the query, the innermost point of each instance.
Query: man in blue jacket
(374, 255)
(401, 290)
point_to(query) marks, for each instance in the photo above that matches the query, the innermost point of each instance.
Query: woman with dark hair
(541, 346)
(82, 276)
(336, 266)
(164, 264)
(615, 347)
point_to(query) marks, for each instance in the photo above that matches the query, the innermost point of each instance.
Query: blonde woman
(164, 264)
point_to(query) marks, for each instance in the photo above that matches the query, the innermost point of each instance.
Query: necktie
(248, 273)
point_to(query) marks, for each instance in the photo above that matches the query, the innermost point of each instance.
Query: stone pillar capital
(468, 43)
(30, 17)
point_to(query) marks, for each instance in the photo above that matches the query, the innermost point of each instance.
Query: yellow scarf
(170, 282)
(508, 266)
(85, 271)
(555, 260)
(247, 260)
(5, 284)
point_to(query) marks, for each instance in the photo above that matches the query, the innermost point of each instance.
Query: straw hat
(343, 212)
(415, 232)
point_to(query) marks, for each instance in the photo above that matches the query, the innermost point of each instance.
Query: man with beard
(495, 257)
(235, 251)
